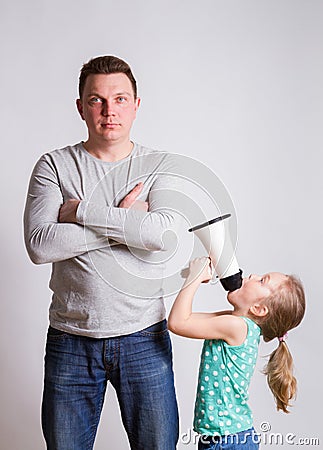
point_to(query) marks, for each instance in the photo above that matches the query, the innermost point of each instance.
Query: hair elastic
(283, 338)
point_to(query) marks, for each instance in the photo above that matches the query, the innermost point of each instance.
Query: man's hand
(130, 200)
(67, 212)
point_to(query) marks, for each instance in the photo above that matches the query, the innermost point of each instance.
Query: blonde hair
(286, 309)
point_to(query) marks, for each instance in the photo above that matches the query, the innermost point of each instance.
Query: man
(87, 214)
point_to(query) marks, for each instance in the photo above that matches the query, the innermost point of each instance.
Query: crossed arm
(67, 212)
(55, 231)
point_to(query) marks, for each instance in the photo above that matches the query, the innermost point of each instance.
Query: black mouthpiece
(232, 282)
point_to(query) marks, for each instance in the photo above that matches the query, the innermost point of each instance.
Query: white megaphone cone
(215, 236)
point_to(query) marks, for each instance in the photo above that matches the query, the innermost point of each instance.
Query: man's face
(108, 107)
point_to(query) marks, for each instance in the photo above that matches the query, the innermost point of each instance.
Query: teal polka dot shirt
(225, 371)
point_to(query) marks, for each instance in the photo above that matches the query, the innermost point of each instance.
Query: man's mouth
(110, 125)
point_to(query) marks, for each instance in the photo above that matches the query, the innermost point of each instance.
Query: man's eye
(121, 99)
(96, 100)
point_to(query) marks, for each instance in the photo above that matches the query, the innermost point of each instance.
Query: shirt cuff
(81, 212)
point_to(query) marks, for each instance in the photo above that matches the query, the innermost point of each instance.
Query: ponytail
(280, 378)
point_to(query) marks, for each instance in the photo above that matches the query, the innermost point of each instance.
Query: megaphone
(215, 236)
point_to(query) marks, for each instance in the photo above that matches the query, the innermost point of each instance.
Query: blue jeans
(244, 440)
(139, 367)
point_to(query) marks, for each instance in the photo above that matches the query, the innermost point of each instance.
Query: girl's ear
(259, 310)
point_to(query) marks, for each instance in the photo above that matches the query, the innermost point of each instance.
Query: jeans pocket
(55, 334)
(159, 329)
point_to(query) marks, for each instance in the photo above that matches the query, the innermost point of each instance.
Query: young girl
(268, 305)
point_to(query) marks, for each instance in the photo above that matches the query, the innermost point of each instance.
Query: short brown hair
(105, 65)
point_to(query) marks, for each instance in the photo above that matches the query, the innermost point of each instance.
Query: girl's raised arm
(218, 325)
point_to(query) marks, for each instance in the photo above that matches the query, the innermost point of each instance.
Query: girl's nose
(252, 276)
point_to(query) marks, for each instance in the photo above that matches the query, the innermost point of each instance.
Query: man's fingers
(133, 194)
(67, 212)
(137, 189)
(130, 198)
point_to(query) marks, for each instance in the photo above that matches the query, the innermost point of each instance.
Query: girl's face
(254, 289)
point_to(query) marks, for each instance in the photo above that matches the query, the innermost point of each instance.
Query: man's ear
(259, 310)
(80, 108)
(137, 103)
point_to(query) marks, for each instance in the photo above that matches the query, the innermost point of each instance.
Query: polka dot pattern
(222, 394)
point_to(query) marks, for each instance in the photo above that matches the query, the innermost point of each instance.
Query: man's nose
(107, 108)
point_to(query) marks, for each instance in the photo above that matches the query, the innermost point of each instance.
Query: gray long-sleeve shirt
(107, 273)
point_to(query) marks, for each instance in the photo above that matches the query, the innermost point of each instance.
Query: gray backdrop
(234, 84)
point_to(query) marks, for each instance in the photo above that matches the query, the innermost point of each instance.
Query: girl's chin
(233, 296)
